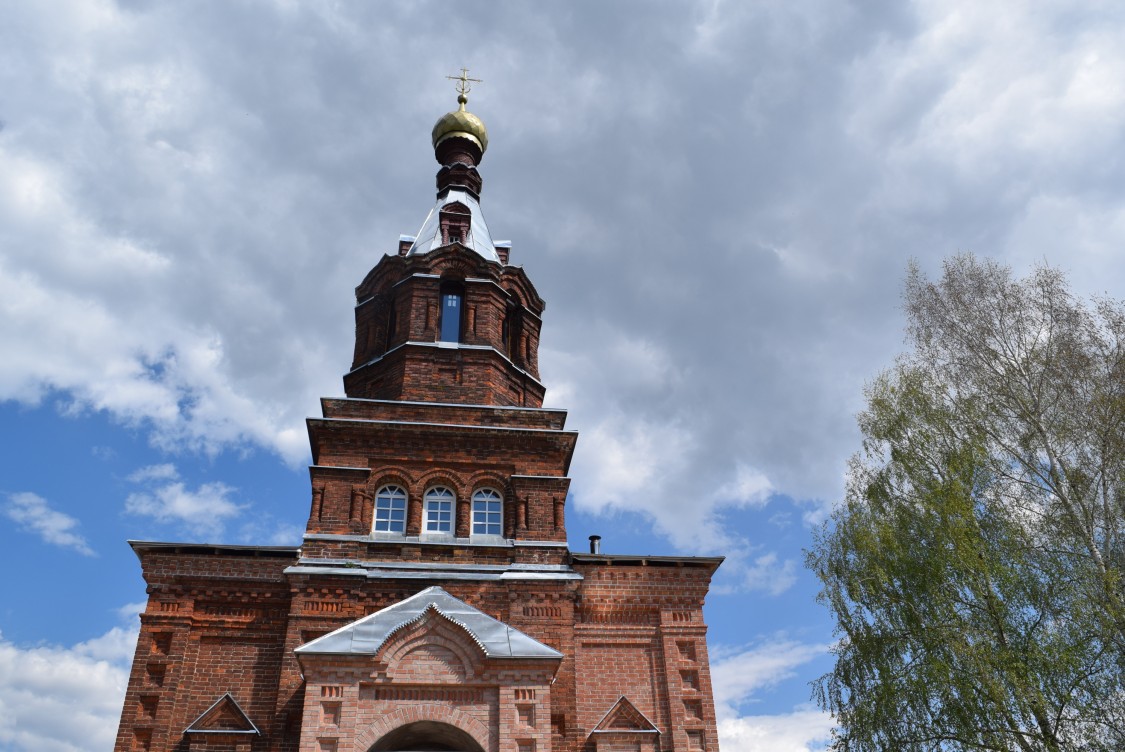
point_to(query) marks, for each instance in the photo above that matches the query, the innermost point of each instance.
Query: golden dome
(461, 123)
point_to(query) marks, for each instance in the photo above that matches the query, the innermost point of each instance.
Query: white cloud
(32, 513)
(750, 487)
(264, 530)
(60, 699)
(167, 499)
(767, 573)
(738, 678)
(803, 730)
(164, 471)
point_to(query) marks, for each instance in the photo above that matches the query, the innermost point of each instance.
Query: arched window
(511, 328)
(452, 297)
(439, 510)
(390, 510)
(487, 514)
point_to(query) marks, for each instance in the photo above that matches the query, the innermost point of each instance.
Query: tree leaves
(974, 568)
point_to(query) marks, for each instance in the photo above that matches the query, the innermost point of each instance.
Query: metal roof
(245, 725)
(428, 570)
(367, 635)
(478, 239)
(647, 561)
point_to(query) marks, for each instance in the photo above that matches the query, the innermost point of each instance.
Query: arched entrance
(427, 736)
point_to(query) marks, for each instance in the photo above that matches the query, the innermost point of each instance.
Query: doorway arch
(427, 736)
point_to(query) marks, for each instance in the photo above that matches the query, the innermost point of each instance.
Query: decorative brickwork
(444, 392)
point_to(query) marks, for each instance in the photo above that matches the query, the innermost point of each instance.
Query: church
(434, 603)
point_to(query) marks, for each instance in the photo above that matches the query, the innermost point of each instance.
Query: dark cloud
(717, 200)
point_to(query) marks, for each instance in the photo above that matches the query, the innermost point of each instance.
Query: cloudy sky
(718, 200)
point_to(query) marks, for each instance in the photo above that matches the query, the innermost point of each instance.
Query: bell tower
(448, 319)
(433, 602)
(444, 391)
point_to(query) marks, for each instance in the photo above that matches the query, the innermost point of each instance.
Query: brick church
(433, 603)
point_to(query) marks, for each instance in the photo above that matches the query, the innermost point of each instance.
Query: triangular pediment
(624, 716)
(367, 636)
(223, 717)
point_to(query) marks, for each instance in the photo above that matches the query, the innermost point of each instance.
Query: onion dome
(461, 124)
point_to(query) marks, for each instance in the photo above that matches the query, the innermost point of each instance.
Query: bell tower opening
(456, 221)
(427, 736)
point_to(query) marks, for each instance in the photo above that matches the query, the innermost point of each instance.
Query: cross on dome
(464, 85)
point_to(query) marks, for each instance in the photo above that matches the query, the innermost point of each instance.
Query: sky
(718, 200)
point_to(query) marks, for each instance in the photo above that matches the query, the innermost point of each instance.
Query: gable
(430, 664)
(368, 635)
(225, 717)
(624, 716)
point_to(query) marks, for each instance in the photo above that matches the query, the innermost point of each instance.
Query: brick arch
(454, 269)
(513, 279)
(453, 261)
(487, 479)
(434, 630)
(391, 476)
(515, 296)
(440, 477)
(381, 278)
(433, 712)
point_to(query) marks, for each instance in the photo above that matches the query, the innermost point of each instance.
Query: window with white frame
(450, 324)
(390, 510)
(487, 516)
(439, 510)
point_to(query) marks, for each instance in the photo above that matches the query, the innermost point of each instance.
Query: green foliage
(974, 568)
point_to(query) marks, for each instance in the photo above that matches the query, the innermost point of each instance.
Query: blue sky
(718, 201)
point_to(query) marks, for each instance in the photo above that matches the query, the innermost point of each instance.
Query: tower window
(439, 510)
(455, 223)
(390, 510)
(452, 299)
(487, 515)
(392, 324)
(510, 330)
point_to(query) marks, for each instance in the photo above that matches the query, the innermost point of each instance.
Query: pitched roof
(624, 716)
(479, 239)
(367, 635)
(223, 717)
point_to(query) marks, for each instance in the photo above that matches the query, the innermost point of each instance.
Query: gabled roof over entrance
(367, 635)
(223, 717)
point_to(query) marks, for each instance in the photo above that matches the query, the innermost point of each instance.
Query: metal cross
(463, 81)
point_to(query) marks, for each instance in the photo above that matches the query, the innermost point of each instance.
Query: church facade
(433, 603)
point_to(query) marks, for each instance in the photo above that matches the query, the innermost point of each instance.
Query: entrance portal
(427, 736)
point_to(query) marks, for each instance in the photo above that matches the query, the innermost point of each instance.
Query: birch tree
(975, 566)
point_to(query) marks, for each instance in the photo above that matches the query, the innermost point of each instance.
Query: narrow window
(486, 512)
(451, 306)
(390, 510)
(439, 510)
(392, 324)
(511, 329)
